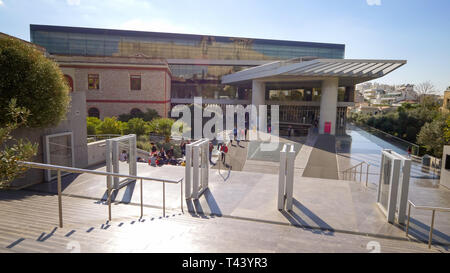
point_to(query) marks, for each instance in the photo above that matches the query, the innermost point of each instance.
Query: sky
(414, 30)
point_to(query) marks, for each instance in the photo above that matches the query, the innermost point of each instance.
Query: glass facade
(100, 42)
(345, 94)
(191, 80)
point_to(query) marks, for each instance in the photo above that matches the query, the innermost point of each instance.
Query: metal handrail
(60, 169)
(353, 170)
(387, 134)
(434, 209)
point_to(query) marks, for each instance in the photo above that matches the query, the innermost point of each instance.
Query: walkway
(322, 161)
(29, 225)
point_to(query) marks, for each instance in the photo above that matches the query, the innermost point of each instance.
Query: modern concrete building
(310, 81)
(331, 83)
(197, 62)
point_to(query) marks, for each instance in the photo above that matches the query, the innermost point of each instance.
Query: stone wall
(115, 96)
(75, 122)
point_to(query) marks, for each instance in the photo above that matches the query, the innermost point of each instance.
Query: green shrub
(110, 126)
(136, 126)
(92, 124)
(35, 81)
(162, 126)
(149, 115)
(14, 150)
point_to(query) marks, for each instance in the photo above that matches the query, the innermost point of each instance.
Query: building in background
(119, 85)
(197, 63)
(446, 101)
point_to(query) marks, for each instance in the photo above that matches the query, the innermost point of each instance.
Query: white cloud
(373, 2)
(1, 3)
(72, 2)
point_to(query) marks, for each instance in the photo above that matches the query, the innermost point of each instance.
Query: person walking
(224, 150)
(211, 147)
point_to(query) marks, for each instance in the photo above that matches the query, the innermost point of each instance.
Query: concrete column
(258, 93)
(258, 98)
(328, 104)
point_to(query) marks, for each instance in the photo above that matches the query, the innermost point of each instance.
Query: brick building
(119, 85)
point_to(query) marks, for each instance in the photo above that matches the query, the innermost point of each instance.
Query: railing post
(409, 215)
(181, 196)
(367, 175)
(109, 200)
(431, 230)
(360, 172)
(164, 199)
(142, 199)
(60, 200)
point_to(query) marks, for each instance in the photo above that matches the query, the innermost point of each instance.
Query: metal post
(109, 201)
(60, 200)
(360, 172)
(431, 229)
(181, 197)
(142, 199)
(367, 174)
(409, 214)
(164, 199)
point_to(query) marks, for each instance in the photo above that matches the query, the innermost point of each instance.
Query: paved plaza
(324, 209)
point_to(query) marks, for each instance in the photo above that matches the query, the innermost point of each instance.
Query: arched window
(135, 112)
(69, 82)
(94, 112)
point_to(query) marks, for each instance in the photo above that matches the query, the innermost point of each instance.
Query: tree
(35, 81)
(424, 89)
(432, 136)
(14, 150)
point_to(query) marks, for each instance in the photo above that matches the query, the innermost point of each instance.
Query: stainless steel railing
(433, 209)
(95, 138)
(60, 169)
(384, 135)
(352, 172)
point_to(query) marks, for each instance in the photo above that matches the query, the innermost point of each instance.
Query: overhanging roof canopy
(352, 71)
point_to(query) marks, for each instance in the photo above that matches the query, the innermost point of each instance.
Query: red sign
(327, 129)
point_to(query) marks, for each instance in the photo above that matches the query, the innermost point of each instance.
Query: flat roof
(357, 70)
(134, 33)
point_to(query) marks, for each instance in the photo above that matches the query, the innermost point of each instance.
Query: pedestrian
(123, 156)
(154, 149)
(211, 147)
(183, 147)
(170, 152)
(224, 150)
(152, 161)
